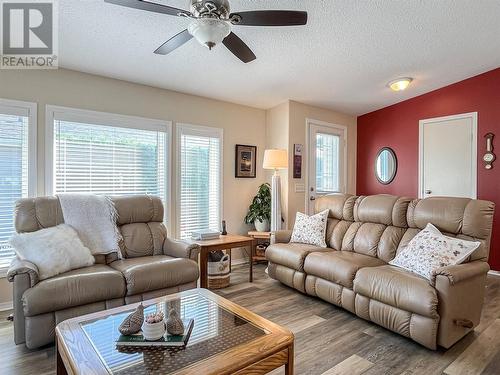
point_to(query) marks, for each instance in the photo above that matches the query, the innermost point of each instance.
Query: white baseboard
(6, 306)
(494, 273)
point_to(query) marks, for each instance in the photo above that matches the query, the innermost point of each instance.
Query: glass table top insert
(215, 331)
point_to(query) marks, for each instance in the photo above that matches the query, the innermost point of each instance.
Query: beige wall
(286, 126)
(242, 125)
(277, 120)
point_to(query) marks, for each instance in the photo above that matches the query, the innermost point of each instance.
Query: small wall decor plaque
(297, 160)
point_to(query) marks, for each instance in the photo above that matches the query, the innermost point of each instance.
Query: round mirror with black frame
(386, 165)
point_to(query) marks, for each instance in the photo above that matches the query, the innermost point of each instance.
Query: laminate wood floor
(328, 340)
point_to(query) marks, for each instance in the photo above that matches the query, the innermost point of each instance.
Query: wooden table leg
(289, 365)
(230, 259)
(252, 252)
(60, 368)
(204, 267)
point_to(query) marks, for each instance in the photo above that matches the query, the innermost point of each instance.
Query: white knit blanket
(94, 218)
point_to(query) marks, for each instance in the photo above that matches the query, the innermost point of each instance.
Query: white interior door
(326, 160)
(448, 156)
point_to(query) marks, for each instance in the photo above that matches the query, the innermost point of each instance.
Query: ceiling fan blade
(174, 43)
(239, 48)
(269, 18)
(151, 7)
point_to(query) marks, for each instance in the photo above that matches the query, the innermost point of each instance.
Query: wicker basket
(218, 273)
(260, 250)
(218, 282)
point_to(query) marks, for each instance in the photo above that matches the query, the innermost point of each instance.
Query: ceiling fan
(212, 21)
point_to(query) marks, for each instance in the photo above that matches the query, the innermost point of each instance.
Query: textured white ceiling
(341, 60)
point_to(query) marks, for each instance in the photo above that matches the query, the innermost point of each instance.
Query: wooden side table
(229, 241)
(253, 257)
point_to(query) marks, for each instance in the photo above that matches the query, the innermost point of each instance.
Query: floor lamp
(275, 159)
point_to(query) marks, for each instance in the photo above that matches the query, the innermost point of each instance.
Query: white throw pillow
(310, 229)
(430, 250)
(53, 250)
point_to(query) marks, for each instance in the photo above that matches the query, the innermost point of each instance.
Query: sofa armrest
(281, 236)
(181, 249)
(460, 290)
(460, 272)
(24, 275)
(19, 267)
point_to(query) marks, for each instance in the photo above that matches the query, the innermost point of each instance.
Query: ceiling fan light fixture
(400, 84)
(209, 31)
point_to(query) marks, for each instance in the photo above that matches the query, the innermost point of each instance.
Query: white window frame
(53, 112)
(202, 131)
(16, 107)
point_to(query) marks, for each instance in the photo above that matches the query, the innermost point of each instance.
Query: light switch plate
(300, 188)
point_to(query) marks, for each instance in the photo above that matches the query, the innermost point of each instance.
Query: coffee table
(224, 242)
(226, 339)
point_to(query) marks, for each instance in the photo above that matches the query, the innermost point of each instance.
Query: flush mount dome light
(400, 84)
(209, 31)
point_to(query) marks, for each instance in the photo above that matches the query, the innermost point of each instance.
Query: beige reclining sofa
(365, 233)
(153, 265)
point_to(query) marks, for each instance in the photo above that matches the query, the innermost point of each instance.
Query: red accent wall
(397, 127)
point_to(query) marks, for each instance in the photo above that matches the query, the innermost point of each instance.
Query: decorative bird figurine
(175, 326)
(133, 323)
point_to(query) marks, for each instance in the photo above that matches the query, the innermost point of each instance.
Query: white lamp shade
(275, 159)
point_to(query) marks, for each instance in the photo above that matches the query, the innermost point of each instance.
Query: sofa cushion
(143, 239)
(338, 266)
(74, 288)
(399, 288)
(145, 274)
(291, 255)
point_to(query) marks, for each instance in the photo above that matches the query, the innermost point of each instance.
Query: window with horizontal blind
(108, 154)
(199, 179)
(17, 177)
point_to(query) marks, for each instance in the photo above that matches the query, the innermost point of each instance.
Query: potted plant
(259, 212)
(153, 327)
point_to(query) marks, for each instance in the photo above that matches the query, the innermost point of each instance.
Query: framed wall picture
(245, 161)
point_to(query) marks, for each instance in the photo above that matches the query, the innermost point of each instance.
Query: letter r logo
(27, 28)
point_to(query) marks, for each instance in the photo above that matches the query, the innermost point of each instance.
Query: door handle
(312, 198)
(428, 192)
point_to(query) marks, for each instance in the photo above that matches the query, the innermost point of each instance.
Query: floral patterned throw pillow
(310, 229)
(430, 249)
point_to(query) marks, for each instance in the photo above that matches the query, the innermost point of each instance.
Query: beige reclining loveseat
(153, 265)
(365, 233)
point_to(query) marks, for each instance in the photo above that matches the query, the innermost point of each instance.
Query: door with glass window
(326, 145)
